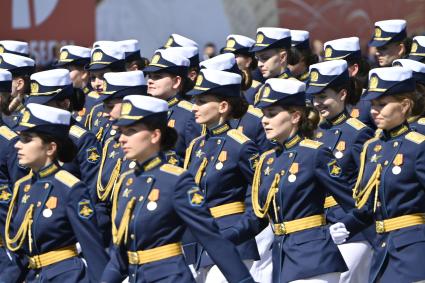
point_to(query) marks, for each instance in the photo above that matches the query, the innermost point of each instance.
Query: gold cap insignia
(1, 60)
(231, 43)
(1, 49)
(97, 56)
(266, 91)
(25, 116)
(373, 82)
(169, 42)
(34, 87)
(314, 76)
(260, 38)
(63, 56)
(328, 52)
(104, 85)
(199, 80)
(378, 32)
(414, 47)
(155, 59)
(126, 108)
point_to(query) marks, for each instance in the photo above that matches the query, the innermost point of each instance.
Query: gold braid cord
(122, 232)
(361, 196)
(201, 170)
(189, 150)
(16, 242)
(104, 192)
(99, 134)
(262, 211)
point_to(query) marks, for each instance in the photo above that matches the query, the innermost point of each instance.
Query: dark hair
(309, 120)
(141, 63)
(417, 97)
(306, 55)
(363, 73)
(407, 42)
(353, 88)
(78, 100)
(66, 149)
(238, 105)
(169, 135)
(246, 79)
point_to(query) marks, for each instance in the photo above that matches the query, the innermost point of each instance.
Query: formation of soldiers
(262, 164)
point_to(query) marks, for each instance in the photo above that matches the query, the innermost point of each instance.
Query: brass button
(383, 245)
(219, 142)
(378, 204)
(132, 217)
(132, 236)
(140, 198)
(386, 162)
(336, 132)
(395, 144)
(282, 172)
(291, 154)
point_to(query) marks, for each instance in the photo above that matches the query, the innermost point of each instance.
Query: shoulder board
(77, 131)
(310, 143)
(93, 94)
(255, 84)
(185, 105)
(355, 123)
(415, 137)
(172, 169)
(66, 178)
(238, 136)
(7, 133)
(255, 111)
(421, 121)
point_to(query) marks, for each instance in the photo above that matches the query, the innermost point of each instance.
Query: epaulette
(238, 136)
(255, 84)
(76, 131)
(310, 143)
(255, 111)
(93, 94)
(185, 105)
(421, 121)
(172, 169)
(66, 178)
(355, 123)
(415, 137)
(7, 133)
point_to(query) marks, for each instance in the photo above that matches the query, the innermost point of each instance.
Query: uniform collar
(218, 130)
(292, 141)
(339, 119)
(397, 131)
(173, 101)
(46, 171)
(151, 163)
(285, 75)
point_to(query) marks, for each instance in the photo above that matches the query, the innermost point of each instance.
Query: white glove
(339, 233)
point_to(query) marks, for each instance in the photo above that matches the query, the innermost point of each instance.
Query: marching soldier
(74, 58)
(51, 210)
(301, 55)
(21, 68)
(133, 60)
(14, 47)
(153, 204)
(331, 90)
(167, 79)
(417, 51)
(223, 154)
(390, 186)
(390, 39)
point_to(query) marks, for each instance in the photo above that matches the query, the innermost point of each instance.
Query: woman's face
(388, 53)
(112, 108)
(388, 113)
(78, 76)
(163, 85)
(97, 80)
(208, 109)
(138, 142)
(270, 62)
(32, 152)
(329, 103)
(279, 124)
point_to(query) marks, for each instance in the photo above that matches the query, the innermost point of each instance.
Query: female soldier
(167, 79)
(390, 185)
(290, 185)
(331, 89)
(417, 119)
(223, 154)
(51, 210)
(302, 55)
(155, 202)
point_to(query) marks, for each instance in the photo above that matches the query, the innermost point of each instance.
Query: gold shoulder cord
(201, 170)
(258, 95)
(361, 196)
(17, 241)
(89, 118)
(99, 134)
(104, 192)
(189, 152)
(120, 234)
(262, 211)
